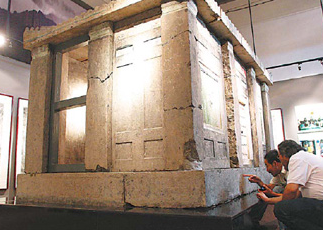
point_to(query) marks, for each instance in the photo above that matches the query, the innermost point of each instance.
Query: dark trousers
(301, 213)
(257, 211)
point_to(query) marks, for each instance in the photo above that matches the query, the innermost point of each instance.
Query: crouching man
(275, 187)
(301, 205)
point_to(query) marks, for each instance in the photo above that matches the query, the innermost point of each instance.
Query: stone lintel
(81, 24)
(115, 11)
(39, 110)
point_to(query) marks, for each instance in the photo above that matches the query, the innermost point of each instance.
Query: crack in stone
(183, 108)
(151, 39)
(197, 40)
(124, 189)
(175, 36)
(102, 81)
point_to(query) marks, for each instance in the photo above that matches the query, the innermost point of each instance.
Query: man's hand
(262, 196)
(254, 179)
(271, 200)
(268, 191)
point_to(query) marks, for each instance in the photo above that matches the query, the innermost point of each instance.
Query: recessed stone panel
(209, 148)
(154, 149)
(123, 151)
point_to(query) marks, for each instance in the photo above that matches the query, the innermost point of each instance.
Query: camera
(262, 188)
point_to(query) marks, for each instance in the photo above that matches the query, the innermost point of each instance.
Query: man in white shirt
(301, 206)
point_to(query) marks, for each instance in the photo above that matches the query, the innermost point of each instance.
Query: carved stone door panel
(213, 102)
(137, 100)
(246, 141)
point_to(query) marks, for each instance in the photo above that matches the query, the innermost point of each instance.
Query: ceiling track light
(299, 63)
(299, 67)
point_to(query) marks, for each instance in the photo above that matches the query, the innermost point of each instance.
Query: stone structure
(149, 103)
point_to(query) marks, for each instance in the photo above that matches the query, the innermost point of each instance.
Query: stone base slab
(88, 189)
(171, 189)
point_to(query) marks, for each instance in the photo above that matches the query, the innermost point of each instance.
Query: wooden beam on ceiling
(83, 4)
(223, 1)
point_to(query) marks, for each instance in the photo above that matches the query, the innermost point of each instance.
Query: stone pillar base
(172, 189)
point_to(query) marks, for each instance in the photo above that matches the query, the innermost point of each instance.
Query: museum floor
(232, 215)
(269, 221)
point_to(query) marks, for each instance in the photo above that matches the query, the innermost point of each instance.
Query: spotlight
(299, 67)
(2, 40)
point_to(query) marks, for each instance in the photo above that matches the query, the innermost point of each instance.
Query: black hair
(289, 147)
(272, 156)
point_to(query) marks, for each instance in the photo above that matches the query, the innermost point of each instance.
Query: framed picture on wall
(309, 117)
(278, 126)
(22, 115)
(6, 103)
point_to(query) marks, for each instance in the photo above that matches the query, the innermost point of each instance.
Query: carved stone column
(232, 105)
(39, 110)
(177, 86)
(98, 153)
(251, 82)
(267, 117)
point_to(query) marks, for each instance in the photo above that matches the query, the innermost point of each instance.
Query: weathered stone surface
(251, 82)
(181, 189)
(176, 56)
(260, 124)
(267, 117)
(226, 184)
(232, 104)
(179, 131)
(176, 72)
(39, 110)
(88, 189)
(223, 28)
(98, 144)
(164, 110)
(196, 83)
(137, 119)
(119, 10)
(81, 24)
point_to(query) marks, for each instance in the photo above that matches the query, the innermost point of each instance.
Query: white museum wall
(285, 32)
(290, 93)
(14, 81)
